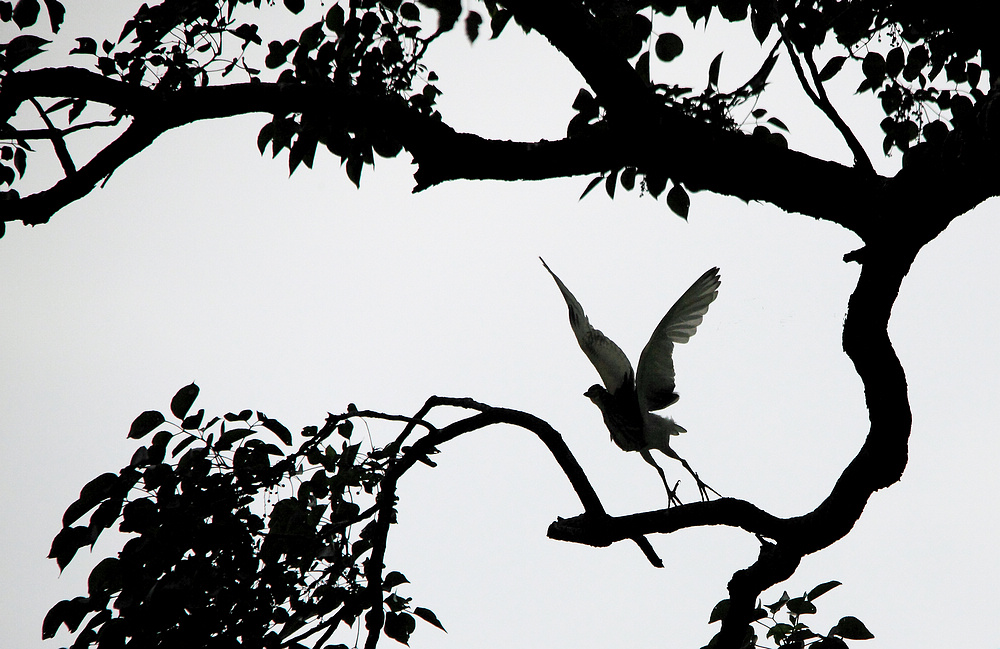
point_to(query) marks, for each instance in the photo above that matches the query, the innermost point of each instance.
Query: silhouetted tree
(354, 81)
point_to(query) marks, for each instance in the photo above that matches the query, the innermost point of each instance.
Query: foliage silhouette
(351, 77)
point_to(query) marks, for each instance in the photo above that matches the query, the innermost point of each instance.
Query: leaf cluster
(236, 540)
(794, 633)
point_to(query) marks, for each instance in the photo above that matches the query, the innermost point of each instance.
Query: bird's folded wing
(607, 357)
(655, 374)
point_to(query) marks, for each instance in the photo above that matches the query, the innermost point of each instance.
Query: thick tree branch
(682, 148)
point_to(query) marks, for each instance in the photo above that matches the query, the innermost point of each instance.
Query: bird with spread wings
(628, 399)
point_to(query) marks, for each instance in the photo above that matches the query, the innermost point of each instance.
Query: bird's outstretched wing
(655, 377)
(607, 357)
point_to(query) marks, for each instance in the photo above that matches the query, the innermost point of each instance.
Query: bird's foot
(703, 488)
(672, 498)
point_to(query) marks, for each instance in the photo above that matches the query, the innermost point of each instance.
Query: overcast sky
(200, 260)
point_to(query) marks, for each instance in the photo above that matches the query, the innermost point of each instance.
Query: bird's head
(598, 395)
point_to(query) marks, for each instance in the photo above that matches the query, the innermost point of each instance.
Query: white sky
(202, 261)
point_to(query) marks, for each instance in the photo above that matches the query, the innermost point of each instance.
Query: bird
(628, 398)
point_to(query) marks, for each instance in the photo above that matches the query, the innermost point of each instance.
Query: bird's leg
(703, 488)
(672, 498)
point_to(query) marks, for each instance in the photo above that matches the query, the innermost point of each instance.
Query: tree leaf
(628, 178)
(26, 13)
(228, 438)
(69, 612)
(105, 578)
(182, 401)
(145, 424)
(761, 23)
(821, 589)
(593, 183)
(295, 6)
(409, 11)
(277, 428)
(713, 71)
(678, 201)
(193, 422)
(654, 184)
(22, 48)
(399, 626)
(832, 67)
(428, 615)
(642, 67)
(393, 579)
(498, 21)
(668, 46)
(719, 611)
(92, 493)
(851, 628)
(801, 606)
(472, 23)
(610, 183)
(67, 542)
(354, 166)
(56, 13)
(778, 123)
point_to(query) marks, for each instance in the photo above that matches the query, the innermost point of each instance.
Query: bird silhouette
(627, 399)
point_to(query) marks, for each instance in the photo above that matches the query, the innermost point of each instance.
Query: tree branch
(819, 97)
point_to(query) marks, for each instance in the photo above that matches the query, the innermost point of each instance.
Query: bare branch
(819, 97)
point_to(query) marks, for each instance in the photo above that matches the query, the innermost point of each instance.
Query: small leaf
(832, 67)
(668, 46)
(67, 542)
(393, 579)
(713, 71)
(193, 422)
(428, 615)
(610, 183)
(801, 606)
(821, 589)
(472, 22)
(105, 578)
(409, 11)
(774, 608)
(56, 13)
(873, 67)
(628, 178)
(678, 201)
(779, 631)
(20, 161)
(354, 166)
(145, 424)
(851, 628)
(295, 6)
(399, 626)
(654, 184)
(182, 401)
(26, 13)
(228, 438)
(642, 67)
(761, 24)
(777, 122)
(593, 183)
(498, 21)
(345, 429)
(22, 48)
(68, 612)
(719, 611)
(277, 428)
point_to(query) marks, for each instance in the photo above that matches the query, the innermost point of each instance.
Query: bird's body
(627, 399)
